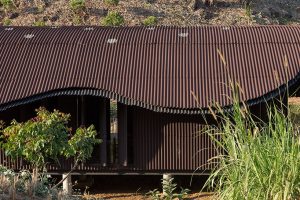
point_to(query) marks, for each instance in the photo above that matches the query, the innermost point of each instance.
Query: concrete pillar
(166, 177)
(67, 184)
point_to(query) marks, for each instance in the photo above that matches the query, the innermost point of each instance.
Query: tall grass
(261, 160)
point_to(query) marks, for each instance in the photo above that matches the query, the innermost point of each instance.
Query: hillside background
(165, 12)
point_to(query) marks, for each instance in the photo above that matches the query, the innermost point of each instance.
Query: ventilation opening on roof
(89, 29)
(150, 28)
(28, 36)
(226, 28)
(183, 34)
(9, 29)
(112, 41)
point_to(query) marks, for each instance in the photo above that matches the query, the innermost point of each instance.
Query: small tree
(47, 137)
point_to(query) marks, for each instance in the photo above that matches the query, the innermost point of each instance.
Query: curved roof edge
(107, 94)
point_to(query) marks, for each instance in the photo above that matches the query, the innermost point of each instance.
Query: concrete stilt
(166, 177)
(67, 184)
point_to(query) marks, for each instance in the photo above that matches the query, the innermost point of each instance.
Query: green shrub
(77, 20)
(39, 23)
(27, 185)
(77, 5)
(6, 21)
(169, 188)
(111, 2)
(113, 18)
(7, 4)
(150, 21)
(46, 137)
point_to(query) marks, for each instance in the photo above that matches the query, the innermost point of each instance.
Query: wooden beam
(122, 133)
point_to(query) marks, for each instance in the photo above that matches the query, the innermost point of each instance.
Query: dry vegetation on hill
(149, 12)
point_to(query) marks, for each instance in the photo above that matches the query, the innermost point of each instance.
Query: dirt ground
(136, 187)
(137, 196)
(168, 12)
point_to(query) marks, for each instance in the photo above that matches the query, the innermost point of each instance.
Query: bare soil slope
(168, 12)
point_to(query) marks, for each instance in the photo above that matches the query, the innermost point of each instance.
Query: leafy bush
(7, 4)
(77, 20)
(150, 21)
(23, 184)
(113, 18)
(77, 5)
(111, 2)
(6, 21)
(39, 23)
(261, 160)
(45, 137)
(169, 188)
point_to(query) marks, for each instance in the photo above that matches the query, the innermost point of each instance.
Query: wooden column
(24, 113)
(122, 133)
(103, 129)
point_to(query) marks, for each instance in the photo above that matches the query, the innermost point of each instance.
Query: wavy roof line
(155, 68)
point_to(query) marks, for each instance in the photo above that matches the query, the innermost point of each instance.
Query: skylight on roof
(183, 34)
(226, 28)
(28, 36)
(9, 29)
(89, 29)
(150, 28)
(112, 40)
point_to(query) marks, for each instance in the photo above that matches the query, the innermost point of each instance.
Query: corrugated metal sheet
(156, 68)
(169, 142)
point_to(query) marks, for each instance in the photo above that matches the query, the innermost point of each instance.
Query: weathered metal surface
(155, 68)
(169, 142)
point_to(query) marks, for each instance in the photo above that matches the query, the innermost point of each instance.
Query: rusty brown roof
(155, 68)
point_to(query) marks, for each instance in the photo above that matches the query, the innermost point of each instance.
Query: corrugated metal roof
(156, 68)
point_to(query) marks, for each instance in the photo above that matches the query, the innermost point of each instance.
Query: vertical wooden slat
(122, 133)
(82, 113)
(103, 129)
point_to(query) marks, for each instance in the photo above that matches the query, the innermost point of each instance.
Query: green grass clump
(7, 4)
(113, 18)
(260, 160)
(77, 5)
(111, 2)
(39, 23)
(6, 21)
(77, 20)
(150, 21)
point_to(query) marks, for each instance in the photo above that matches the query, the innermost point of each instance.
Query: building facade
(147, 90)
